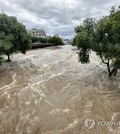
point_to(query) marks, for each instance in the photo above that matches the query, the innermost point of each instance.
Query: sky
(56, 16)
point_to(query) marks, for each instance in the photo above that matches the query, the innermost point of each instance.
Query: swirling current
(47, 91)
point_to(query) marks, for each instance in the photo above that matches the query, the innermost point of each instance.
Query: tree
(55, 40)
(38, 39)
(13, 36)
(34, 39)
(1, 58)
(103, 37)
(42, 40)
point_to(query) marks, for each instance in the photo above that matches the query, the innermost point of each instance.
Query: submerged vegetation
(101, 36)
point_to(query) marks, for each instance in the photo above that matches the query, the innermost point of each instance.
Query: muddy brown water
(47, 91)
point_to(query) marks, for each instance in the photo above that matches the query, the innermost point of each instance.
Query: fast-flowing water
(47, 91)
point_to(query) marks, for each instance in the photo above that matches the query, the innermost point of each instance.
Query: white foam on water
(28, 103)
(71, 125)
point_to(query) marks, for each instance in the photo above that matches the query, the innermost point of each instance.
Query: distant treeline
(51, 40)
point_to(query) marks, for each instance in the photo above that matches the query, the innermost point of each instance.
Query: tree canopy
(56, 40)
(38, 39)
(13, 36)
(101, 36)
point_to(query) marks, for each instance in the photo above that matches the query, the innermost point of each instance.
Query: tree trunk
(108, 68)
(115, 72)
(111, 72)
(8, 60)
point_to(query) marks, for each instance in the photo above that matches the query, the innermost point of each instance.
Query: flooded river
(47, 91)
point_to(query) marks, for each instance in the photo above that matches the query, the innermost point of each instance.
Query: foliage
(1, 58)
(103, 37)
(13, 36)
(50, 41)
(55, 40)
(38, 39)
